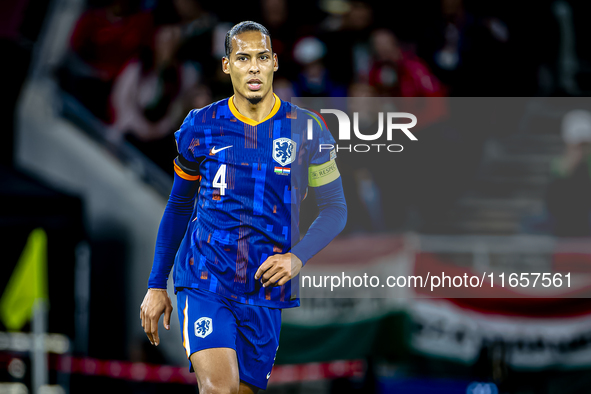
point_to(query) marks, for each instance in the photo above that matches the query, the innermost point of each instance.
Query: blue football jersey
(254, 176)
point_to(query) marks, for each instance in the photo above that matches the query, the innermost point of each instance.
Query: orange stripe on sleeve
(184, 175)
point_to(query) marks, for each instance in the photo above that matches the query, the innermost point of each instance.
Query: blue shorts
(209, 320)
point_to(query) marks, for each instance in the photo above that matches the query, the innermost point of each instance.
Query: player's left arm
(328, 187)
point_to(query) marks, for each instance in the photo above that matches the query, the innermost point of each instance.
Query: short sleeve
(185, 136)
(322, 147)
(186, 165)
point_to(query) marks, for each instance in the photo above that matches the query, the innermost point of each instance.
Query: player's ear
(226, 65)
(275, 62)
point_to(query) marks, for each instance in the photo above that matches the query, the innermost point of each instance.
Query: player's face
(251, 65)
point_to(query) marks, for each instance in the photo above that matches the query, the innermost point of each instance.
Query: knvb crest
(203, 327)
(284, 151)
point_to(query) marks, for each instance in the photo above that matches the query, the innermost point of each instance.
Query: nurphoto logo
(344, 131)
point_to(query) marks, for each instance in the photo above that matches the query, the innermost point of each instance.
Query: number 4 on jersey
(219, 180)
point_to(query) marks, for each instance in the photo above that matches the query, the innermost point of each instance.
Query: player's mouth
(254, 84)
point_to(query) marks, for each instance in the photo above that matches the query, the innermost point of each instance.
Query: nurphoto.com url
(432, 282)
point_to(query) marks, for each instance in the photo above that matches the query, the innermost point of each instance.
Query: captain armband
(186, 169)
(323, 174)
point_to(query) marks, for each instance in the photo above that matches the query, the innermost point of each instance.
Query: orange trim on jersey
(186, 328)
(249, 121)
(184, 175)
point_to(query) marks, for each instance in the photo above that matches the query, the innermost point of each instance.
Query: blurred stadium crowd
(139, 66)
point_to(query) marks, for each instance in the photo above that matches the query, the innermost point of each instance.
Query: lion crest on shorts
(203, 327)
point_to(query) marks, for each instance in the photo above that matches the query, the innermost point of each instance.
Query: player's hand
(156, 302)
(278, 269)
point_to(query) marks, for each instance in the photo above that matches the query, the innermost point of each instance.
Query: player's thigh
(247, 388)
(216, 370)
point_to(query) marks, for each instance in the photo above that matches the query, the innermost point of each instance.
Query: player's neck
(258, 111)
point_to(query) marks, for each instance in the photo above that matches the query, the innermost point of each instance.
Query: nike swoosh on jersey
(214, 150)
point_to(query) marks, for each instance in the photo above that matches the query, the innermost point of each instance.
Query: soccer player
(244, 165)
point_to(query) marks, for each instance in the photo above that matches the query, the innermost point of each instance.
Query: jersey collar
(249, 121)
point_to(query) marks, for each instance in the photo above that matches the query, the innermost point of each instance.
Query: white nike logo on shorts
(214, 150)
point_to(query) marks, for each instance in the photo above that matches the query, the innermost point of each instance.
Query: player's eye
(241, 58)
(264, 57)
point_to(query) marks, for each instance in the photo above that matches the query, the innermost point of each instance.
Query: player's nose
(254, 66)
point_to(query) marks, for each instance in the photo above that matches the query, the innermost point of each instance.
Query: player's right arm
(170, 235)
